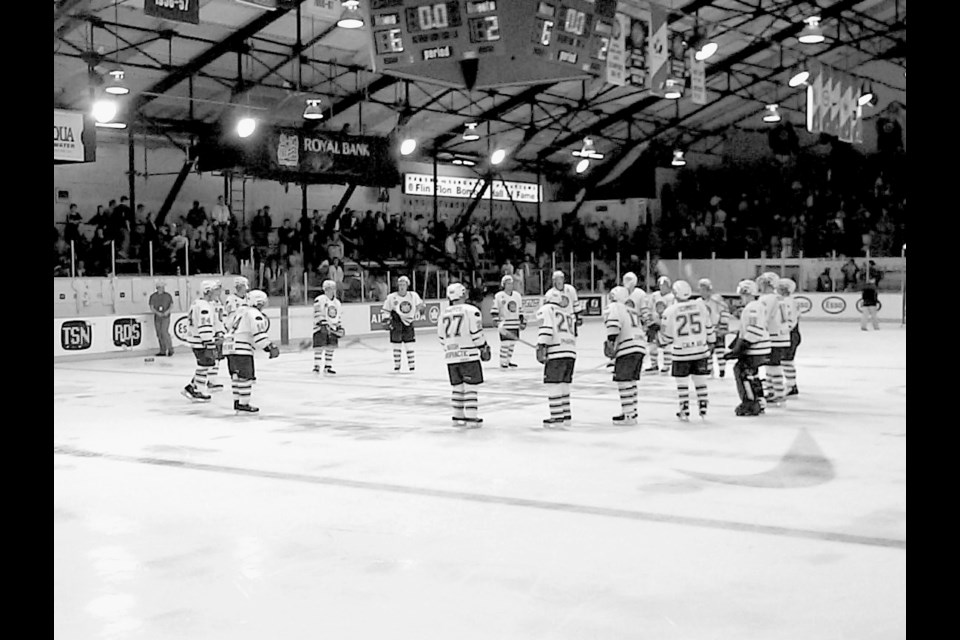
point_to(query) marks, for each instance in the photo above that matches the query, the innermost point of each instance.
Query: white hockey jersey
(231, 303)
(623, 321)
(787, 312)
(557, 327)
(460, 330)
(326, 313)
(570, 302)
(688, 330)
(406, 306)
(247, 333)
(771, 307)
(203, 324)
(507, 309)
(753, 329)
(658, 303)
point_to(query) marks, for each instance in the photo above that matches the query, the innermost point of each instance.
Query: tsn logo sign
(75, 335)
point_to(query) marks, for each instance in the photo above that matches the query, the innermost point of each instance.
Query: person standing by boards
(870, 306)
(161, 304)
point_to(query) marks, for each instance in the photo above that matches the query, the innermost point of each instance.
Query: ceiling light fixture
(867, 96)
(104, 110)
(588, 150)
(798, 76)
(313, 110)
(470, 134)
(772, 113)
(673, 89)
(812, 33)
(498, 156)
(408, 146)
(111, 125)
(116, 86)
(582, 166)
(246, 125)
(350, 18)
(678, 160)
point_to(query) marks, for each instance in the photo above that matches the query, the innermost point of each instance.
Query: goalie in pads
(327, 327)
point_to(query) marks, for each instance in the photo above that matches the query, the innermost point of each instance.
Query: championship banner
(698, 79)
(379, 318)
(74, 137)
(617, 51)
(658, 56)
(636, 54)
(177, 10)
(293, 155)
(832, 104)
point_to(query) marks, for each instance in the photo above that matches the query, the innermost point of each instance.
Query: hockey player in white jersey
(767, 289)
(557, 352)
(720, 316)
(658, 301)
(626, 345)
(570, 302)
(637, 301)
(235, 299)
(460, 330)
(203, 326)
(403, 306)
(327, 327)
(247, 334)
(218, 307)
(790, 315)
(688, 335)
(507, 310)
(750, 349)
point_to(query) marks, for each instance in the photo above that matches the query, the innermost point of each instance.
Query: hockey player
(791, 314)
(720, 316)
(688, 335)
(508, 311)
(658, 302)
(235, 299)
(460, 330)
(247, 334)
(636, 301)
(218, 308)
(750, 349)
(557, 352)
(203, 325)
(327, 327)
(403, 306)
(568, 296)
(626, 344)
(767, 288)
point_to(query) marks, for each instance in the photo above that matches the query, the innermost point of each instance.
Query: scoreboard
(502, 42)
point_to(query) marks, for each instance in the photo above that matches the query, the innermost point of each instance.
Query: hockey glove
(273, 351)
(485, 353)
(610, 348)
(738, 348)
(339, 332)
(542, 353)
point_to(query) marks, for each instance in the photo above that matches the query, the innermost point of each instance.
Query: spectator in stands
(335, 273)
(196, 216)
(100, 218)
(100, 252)
(869, 306)
(286, 236)
(335, 247)
(260, 227)
(824, 281)
(220, 214)
(850, 272)
(71, 230)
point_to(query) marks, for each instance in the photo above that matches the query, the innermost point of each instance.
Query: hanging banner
(322, 9)
(833, 107)
(698, 79)
(421, 184)
(636, 54)
(176, 10)
(658, 55)
(617, 51)
(74, 137)
(293, 155)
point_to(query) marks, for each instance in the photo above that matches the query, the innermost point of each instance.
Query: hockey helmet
(209, 285)
(403, 280)
(456, 291)
(507, 279)
(618, 294)
(241, 281)
(704, 283)
(629, 279)
(747, 287)
(553, 297)
(257, 298)
(329, 285)
(681, 289)
(786, 286)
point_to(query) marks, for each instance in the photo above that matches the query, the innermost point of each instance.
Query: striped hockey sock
(328, 357)
(556, 403)
(458, 400)
(667, 359)
(317, 356)
(506, 353)
(411, 360)
(470, 403)
(700, 385)
(683, 392)
(199, 378)
(790, 373)
(776, 382)
(565, 399)
(244, 390)
(234, 382)
(628, 398)
(396, 358)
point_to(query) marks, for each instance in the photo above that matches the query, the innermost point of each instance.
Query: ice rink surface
(351, 508)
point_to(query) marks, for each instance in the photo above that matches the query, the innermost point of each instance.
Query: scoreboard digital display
(509, 41)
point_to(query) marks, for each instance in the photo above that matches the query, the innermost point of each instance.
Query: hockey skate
(624, 420)
(748, 409)
(702, 405)
(473, 423)
(553, 423)
(316, 369)
(191, 392)
(329, 371)
(244, 408)
(214, 386)
(793, 392)
(684, 413)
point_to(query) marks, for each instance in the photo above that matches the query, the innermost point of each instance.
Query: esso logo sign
(804, 304)
(834, 305)
(860, 305)
(180, 328)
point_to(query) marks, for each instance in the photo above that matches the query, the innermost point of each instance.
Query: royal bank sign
(73, 137)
